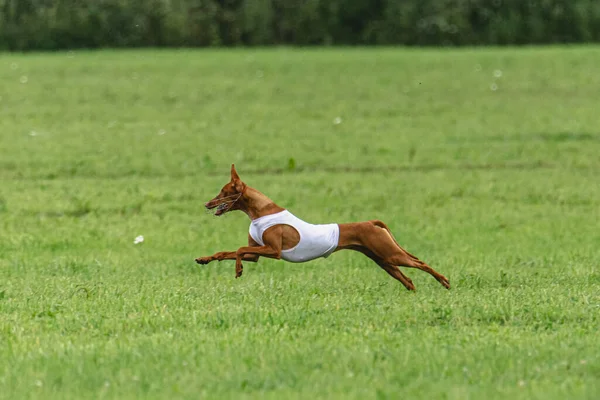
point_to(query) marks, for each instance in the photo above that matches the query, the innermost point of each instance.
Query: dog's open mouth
(221, 208)
(225, 204)
(217, 209)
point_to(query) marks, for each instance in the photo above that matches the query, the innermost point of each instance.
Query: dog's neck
(256, 205)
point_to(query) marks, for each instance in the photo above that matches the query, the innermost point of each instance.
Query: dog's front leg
(221, 255)
(229, 255)
(272, 239)
(264, 251)
(225, 255)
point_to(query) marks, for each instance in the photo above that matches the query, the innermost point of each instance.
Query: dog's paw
(445, 282)
(203, 260)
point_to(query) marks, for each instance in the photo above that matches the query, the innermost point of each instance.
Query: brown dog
(282, 240)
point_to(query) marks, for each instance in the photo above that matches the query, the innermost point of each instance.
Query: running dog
(277, 233)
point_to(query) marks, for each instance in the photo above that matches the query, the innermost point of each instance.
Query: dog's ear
(234, 174)
(235, 179)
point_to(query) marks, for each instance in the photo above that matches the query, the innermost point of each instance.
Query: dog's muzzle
(224, 205)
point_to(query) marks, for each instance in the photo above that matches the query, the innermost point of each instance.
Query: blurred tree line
(58, 24)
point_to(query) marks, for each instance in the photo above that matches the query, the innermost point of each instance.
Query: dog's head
(230, 195)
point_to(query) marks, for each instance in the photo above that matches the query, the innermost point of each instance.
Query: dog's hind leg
(397, 274)
(408, 260)
(392, 270)
(376, 237)
(403, 258)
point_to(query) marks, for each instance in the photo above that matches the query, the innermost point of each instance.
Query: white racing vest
(315, 240)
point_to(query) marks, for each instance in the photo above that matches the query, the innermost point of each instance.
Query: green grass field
(484, 163)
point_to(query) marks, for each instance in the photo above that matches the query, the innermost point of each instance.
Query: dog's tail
(382, 224)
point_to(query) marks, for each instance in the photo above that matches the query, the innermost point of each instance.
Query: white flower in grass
(139, 239)
(497, 73)
(24, 79)
(493, 87)
(38, 383)
(337, 120)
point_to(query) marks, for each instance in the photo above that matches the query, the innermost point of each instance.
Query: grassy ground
(483, 162)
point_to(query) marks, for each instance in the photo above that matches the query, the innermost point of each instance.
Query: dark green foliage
(59, 24)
